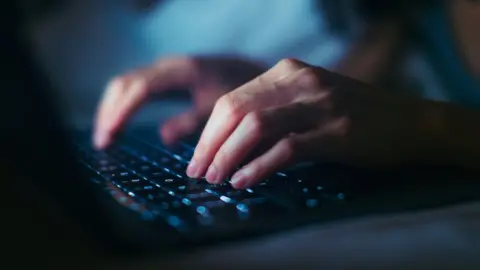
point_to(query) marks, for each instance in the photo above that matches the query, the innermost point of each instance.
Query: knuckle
(191, 62)
(177, 60)
(229, 105)
(256, 123)
(188, 65)
(309, 78)
(264, 81)
(118, 84)
(290, 64)
(141, 84)
(286, 67)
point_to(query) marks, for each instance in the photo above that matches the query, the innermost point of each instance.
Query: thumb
(180, 126)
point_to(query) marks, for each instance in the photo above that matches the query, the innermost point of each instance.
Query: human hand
(207, 78)
(303, 113)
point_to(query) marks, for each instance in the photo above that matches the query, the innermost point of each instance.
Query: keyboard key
(204, 199)
(155, 196)
(162, 160)
(198, 196)
(155, 174)
(129, 182)
(254, 201)
(189, 213)
(102, 163)
(235, 193)
(145, 187)
(108, 169)
(181, 189)
(168, 181)
(117, 175)
(221, 188)
(263, 209)
(312, 203)
(99, 155)
(226, 199)
(179, 169)
(143, 167)
(222, 212)
(187, 154)
(178, 166)
(120, 156)
(192, 214)
(213, 203)
(310, 191)
(244, 196)
(186, 190)
(183, 150)
(174, 207)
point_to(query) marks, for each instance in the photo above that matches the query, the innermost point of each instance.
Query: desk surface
(447, 238)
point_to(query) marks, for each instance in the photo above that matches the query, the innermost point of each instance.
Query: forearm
(373, 53)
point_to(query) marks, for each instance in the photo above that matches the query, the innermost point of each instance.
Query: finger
(280, 155)
(127, 102)
(128, 93)
(112, 95)
(284, 68)
(259, 128)
(269, 88)
(180, 126)
(231, 108)
(325, 143)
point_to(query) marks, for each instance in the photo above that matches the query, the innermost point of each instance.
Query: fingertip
(213, 175)
(101, 139)
(167, 135)
(193, 170)
(240, 180)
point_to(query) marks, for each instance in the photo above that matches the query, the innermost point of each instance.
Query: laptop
(134, 198)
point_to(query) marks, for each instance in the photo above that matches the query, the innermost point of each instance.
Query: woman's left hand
(301, 113)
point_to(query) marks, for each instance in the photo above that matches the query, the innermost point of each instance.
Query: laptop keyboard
(154, 178)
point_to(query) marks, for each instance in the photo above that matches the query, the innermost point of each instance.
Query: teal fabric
(440, 47)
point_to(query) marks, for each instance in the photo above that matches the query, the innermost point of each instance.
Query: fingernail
(239, 179)
(100, 139)
(192, 169)
(212, 175)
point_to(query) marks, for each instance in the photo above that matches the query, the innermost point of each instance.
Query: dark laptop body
(49, 194)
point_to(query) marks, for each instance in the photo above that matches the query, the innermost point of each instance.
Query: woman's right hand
(207, 77)
(296, 112)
